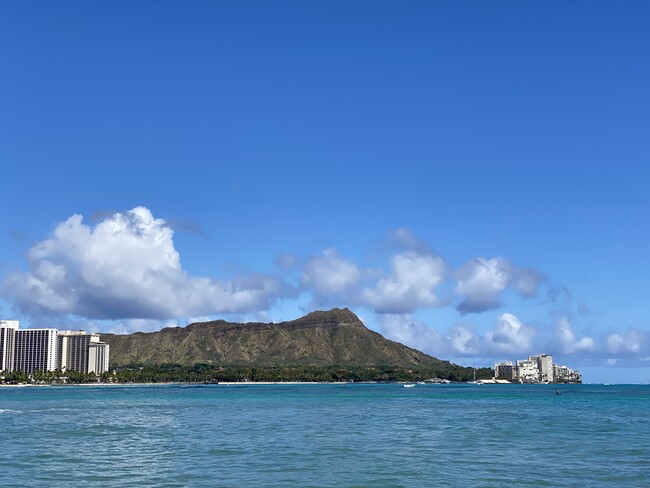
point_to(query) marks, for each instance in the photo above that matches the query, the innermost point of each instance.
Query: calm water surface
(326, 436)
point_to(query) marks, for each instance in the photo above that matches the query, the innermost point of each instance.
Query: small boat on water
(408, 385)
(474, 382)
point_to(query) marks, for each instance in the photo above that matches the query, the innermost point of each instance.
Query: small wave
(8, 410)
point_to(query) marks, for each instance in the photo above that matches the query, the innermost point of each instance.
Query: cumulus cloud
(126, 266)
(481, 282)
(413, 281)
(567, 342)
(410, 286)
(630, 342)
(414, 333)
(463, 341)
(510, 336)
(328, 276)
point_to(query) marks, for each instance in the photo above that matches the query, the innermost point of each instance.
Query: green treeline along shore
(323, 346)
(203, 373)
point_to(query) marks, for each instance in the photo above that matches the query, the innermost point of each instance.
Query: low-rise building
(536, 369)
(505, 371)
(564, 374)
(527, 371)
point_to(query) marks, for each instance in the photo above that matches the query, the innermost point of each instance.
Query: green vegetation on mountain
(322, 346)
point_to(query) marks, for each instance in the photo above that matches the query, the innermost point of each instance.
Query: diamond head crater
(329, 345)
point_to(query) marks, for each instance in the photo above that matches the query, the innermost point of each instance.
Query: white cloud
(463, 340)
(567, 342)
(510, 336)
(630, 342)
(332, 279)
(139, 325)
(410, 285)
(414, 333)
(127, 267)
(481, 282)
(413, 281)
(329, 275)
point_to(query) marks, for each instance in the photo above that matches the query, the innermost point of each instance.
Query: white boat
(474, 382)
(409, 385)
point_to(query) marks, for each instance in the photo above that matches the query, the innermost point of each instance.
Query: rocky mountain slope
(332, 338)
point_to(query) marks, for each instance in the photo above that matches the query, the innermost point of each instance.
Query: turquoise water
(326, 436)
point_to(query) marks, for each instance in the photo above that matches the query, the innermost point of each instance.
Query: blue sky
(469, 177)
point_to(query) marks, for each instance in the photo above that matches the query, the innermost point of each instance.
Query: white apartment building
(98, 357)
(527, 371)
(564, 374)
(545, 367)
(505, 371)
(82, 352)
(7, 340)
(31, 350)
(35, 350)
(536, 369)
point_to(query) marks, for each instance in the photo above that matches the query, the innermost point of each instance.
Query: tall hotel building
(7, 340)
(30, 350)
(81, 352)
(98, 357)
(35, 350)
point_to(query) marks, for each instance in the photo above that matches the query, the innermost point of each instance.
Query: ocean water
(325, 436)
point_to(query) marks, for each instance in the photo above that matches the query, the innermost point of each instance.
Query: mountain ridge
(335, 337)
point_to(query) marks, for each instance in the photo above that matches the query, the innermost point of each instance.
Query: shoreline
(280, 383)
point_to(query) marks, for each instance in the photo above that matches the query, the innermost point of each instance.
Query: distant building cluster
(31, 350)
(536, 369)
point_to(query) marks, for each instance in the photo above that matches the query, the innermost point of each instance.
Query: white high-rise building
(82, 352)
(35, 350)
(545, 366)
(98, 357)
(8, 330)
(30, 350)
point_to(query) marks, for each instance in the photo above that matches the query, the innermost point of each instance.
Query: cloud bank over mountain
(510, 338)
(125, 267)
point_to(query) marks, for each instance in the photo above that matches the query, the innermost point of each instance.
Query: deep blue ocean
(345, 435)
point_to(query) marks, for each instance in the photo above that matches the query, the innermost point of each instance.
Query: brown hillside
(332, 338)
